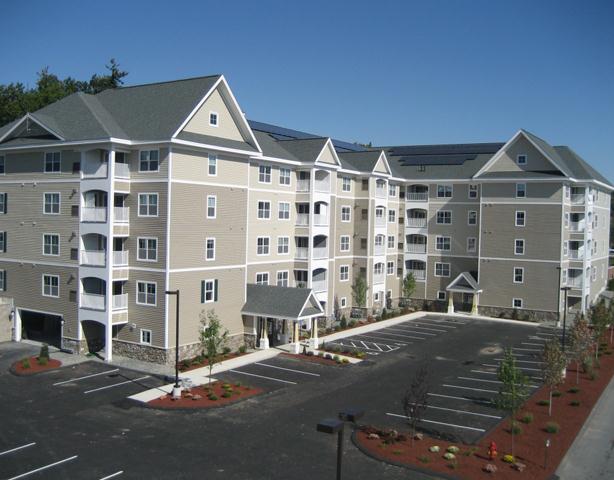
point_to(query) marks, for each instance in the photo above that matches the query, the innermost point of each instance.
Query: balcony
(122, 170)
(319, 285)
(95, 258)
(94, 214)
(416, 222)
(417, 196)
(302, 185)
(379, 278)
(120, 257)
(576, 254)
(379, 250)
(320, 252)
(381, 192)
(120, 301)
(575, 282)
(302, 253)
(418, 274)
(576, 226)
(302, 219)
(322, 186)
(415, 247)
(121, 214)
(380, 221)
(93, 301)
(577, 198)
(319, 219)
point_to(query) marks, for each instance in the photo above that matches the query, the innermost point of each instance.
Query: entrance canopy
(464, 283)
(281, 302)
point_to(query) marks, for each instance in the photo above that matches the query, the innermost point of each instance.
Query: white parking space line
(404, 330)
(527, 349)
(420, 327)
(433, 324)
(442, 320)
(387, 339)
(464, 412)
(106, 387)
(520, 361)
(6, 452)
(520, 368)
(534, 344)
(399, 335)
(113, 475)
(485, 402)
(262, 376)
(287, 369)
(87, 376)
(489, 381)
(439, 423)
(45, 467)
(470, 388)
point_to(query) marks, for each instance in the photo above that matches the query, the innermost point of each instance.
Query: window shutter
(6, 199)
(5, 240)
(215, 290)
(202, 291)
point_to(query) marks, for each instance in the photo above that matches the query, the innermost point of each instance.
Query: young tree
(414, 401)
(581, 343)
(359, 291)
(553, 366)
(212, 338)
(409, 285)
(600, 319)
(514, 389)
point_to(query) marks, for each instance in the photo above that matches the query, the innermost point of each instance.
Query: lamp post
(546, 453)
(565, 289)
(332, 426)
(176, 387)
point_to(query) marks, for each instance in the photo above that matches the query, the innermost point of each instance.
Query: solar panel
(435, 159)
(452, 149)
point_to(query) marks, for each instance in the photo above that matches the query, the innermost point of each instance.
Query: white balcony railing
(576, 254)
(302, 253)
(319, 219)
(302, 185)
(576, 226)
(94, 301)
(418, 274)
(415, 222)
(319, 285)
(320, 252)
(575, 282)
(577, 198)
(97, 170)
(120, 257)
(122, 170)
(95, 258)
(415, 247)
(94, 214)
(120, 301)
(380, 221)
(322, 186)
(379, 250)
(417, 196)
(302, 219)
(379, 278)
(381, 192)
(122, 214)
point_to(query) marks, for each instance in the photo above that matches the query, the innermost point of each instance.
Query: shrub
(44, 352)
(575, 403)
(243, 349)
(345, 360)
(449, 456)
(508, 458)
(336, 358)
(42, 361)
(352, 323)
(424, 459)
(25, 363)
(472, 451)
(212, 397)
(434, 449)
(238, 384)
(360, 355)
(226, 350)
(453, 449)
(527, 418)
(337, 328)
(344, 322)
(543, 403)
(328, 356)
(227, 394)
(320, 354)
(587, 365)
(552, 427)
(556, 393)
(309, 353)
(593, 375)
(574, 390)
(397, 452)
(515, 428)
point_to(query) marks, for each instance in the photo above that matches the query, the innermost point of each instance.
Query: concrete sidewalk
(591, 455)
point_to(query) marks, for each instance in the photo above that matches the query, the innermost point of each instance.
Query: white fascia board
(309, 297)
(328, 144)
(197, 107)
(206, 146)
(38, 122)
(382, 156)
(264, 158)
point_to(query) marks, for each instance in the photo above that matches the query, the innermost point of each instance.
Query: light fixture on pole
(332, 426)
(176, 387)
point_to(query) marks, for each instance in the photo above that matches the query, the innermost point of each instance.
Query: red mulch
(529, 445)
(315, 359)
(197, 364)
(18, 369)
(187, 400)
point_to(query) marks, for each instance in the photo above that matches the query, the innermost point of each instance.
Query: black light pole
(332, 426)
(176, 293)
(559, 297)
(565, 289)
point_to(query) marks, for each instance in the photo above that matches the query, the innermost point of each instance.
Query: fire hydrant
(492, 450)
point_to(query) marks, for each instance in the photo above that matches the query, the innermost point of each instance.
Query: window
(444, 191)
(344, 243)
(364, 184)
(346, 214)
(471, 244)
(593, 273)
(210, 249)
(149, 160)
(518, 247)
(472, 218)
(212, 165)
(264, 210)
(517, 302)
(284, 176)
(2, 280)
(2, 242)
(595, 221)
(2, 164)
(148, 204)
(364, 214)
(565, 248)
(518, 275)
(263, 245)
(147, 249)
(51, 286)
(378, 269)
(344, 273)
(343, 302)
(567, 192)
(145, 336)
(283, 245)
(262, 278)
(442, 243)
(264, 174)
(441, 295)
(521, 217)
(363, 243)
(392, 216)
(211, 206)
(209, 291)
(392, 190)
(376, 296)
(521, 159)
(442, 269)
(146, 293)
(213, 119)
(390, 268)
(282, 278)
(346, 184)
(391, 242)
(53, 162)
(51, 244)
(473, 192)
(51, 203)
(564, 277)
(521, 190)
(566, 217)
(3, 199)
(444, 217)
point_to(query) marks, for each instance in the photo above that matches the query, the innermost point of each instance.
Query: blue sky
(406, 72)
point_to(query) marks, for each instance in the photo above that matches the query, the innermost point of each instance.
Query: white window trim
(469, 191)
(444, 185)
(43, 285)
(143, 330)
(394, 242)
(350, 210)
(3, 285)
(524, 215)
(263, 254)
(138, 211)
(394, 214)
(445, 295)
(442, 263)
(138, 239)
(341, 243)
(270, 174)
(343, 302)
(349, 183)
(475, 245)
(279, 204)
(287, 272)
(155, 304)
(207, 259)
(285, 185)
(205, 281)
(217, 119)
(3, 161)
(524, 245)
(288, 244)
(388, 268)
(443, 249)
(59, 203)
(514, 301)
(50, 254)
(268, 278)
(514, 275)
(45, 161)
(214, 208)
(437, 222)
(469, 224)
(258, 202)
(139, 159)
(525, 190)
(209, 157)
(341, 267)
(522, 155)
(566, 248)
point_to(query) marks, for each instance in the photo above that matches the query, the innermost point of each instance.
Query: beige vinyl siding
(380, 166)
(272, 269)
(458, 231)
(133, 159)
(255, 184)
(327, 156)
(227, 127)
(536, 192)
(536, 162)
(24, 166)
(193, 166)
(190, 226)
(457, 266)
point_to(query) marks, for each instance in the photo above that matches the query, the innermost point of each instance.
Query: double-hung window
(391, 242)
(147, 249)
(263, 245)
(262, 278)
(519, 246)
(521, 217)
(442, 243)
(51, 203)
(264, 210)
(146, 293)
(2, 242)
(214, 119)
(53, 161)
(264, 174)
(282, 278)
(471, 244)
(3, 201)
(346, 184)
(2, 280)
(212, 165)
(211, 206)
(51, 244)
(442, 269)
(346, 214)
(284, 176)
(283, 245)
(210, 249)
(390, 268)
(518, 275)
(149, 160)
(392, 216)
(2, 164)
(344, 273)
(472, 218)
(473, 191)
(344, 243)
(283, 211)
(444, 217)
(392, 190)
(145, 336)
(521, 190)
(51, 286)
(444, 191)
(148, 204)
(208, 291)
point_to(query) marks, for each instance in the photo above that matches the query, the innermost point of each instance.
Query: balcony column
(296, 343)
(474, 304)
(108, 345)
(451, 302)
(264, 339)
(314, 341)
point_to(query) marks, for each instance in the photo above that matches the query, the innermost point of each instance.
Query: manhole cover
(492, 350)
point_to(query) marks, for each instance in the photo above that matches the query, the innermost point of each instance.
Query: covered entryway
(94, 333)
(41, 327)
(464, 294)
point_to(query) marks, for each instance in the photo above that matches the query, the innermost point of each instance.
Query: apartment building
(108, 201)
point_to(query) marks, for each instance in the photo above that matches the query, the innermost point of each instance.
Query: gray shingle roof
(360, 161)
(306, 150)
(579, 167)
(210, 140)
(274, 301)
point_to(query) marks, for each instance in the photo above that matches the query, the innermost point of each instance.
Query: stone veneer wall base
(535, 316)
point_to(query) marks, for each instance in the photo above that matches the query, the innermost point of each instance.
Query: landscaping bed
(324, 359)
(33, 365)
(207, 396)
(199, 361)
(569, 412)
